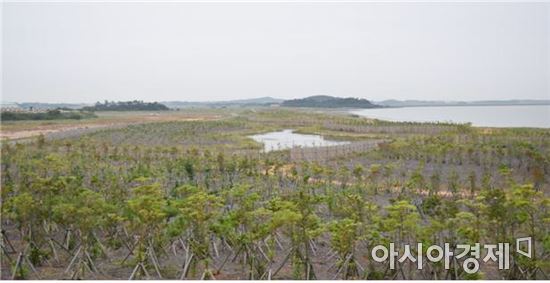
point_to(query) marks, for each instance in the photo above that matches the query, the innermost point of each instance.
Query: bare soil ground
(26, 129)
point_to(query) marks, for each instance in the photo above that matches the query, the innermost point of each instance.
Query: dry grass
(25, 129)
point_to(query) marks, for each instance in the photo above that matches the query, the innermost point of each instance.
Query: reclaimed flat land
(190, 191)
(26, 129)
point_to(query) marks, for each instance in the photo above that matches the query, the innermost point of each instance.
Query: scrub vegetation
(48, 115)
(200, 200)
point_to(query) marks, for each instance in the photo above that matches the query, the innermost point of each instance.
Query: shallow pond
(286, 139)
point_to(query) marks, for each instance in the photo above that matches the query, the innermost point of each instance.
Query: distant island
(325, 101)
(126, 106)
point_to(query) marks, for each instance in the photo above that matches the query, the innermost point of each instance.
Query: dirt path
(91, 125)
(8, 135)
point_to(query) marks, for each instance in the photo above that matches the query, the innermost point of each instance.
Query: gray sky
(85, 52)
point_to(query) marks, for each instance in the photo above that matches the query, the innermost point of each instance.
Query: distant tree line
(48, 115)
(323, 101)
(126, 106)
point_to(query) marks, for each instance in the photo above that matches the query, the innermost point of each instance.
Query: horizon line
(282, 99)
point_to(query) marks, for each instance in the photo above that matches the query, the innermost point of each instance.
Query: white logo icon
(519, 242)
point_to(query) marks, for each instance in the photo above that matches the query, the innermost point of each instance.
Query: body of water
(537, 116)
(288, 139)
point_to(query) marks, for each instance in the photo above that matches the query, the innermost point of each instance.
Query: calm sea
(537, 116)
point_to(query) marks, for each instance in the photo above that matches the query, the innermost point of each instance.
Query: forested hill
(126, 106)
(324, 101)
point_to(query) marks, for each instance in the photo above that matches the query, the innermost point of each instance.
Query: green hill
(127, 106)
(325, 101)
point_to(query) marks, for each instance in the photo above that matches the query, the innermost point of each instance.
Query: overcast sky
(85, 52)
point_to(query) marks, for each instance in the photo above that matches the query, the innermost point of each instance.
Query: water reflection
(288, 139)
